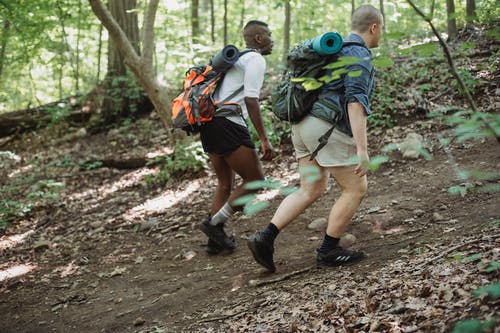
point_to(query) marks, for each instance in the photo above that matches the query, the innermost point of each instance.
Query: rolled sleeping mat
(327, 43)
(223, 60)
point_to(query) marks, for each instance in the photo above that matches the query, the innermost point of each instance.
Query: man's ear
(373, 27)
(258, 38)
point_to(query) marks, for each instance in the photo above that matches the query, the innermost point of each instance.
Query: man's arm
(357, 118)
(253, 108)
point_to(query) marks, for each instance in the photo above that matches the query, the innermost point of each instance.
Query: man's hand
(268, 152)
(362, 167)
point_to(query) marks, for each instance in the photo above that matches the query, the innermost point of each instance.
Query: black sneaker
(213, 248)
(262, 251)
(338, 256)
(217, 234)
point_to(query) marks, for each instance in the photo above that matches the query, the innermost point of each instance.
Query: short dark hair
(255, 22)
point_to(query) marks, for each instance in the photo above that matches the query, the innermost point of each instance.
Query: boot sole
(253, 248)
(222, 241)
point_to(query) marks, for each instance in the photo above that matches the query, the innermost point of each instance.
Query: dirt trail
(107, 259)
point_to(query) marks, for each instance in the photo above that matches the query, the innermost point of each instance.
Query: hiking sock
(329, 243)
(270, 233)
(222, 215)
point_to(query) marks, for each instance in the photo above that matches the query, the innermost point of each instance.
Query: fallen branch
(222, 317)
(445, 253)
(259, 283)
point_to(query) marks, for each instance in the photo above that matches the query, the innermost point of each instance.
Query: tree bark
(3, 44)
(225, 22)
(140, 66)
(286, 35)
(195, 21)
(452, 22)
(470, 11)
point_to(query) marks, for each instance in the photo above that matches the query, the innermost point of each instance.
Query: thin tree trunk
(99, 54)
(286, 27)
(452, 22)
(470, 11)
(3, 46)
(195, 22)
(451, 63)
(77, 57)
(212, 20)
(382, 11)
(225, 22)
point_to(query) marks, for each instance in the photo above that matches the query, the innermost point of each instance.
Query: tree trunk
(470, 11)
(212, 20)
(121, 96)
(382, 11)
(3, 44)
(195, 21)
(286, 35)
(225, 22)
(452, 22)
(140, 66)
(41, 116)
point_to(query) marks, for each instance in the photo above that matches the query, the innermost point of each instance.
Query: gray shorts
(339, 151)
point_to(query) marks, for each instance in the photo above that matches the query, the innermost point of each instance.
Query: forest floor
(113, 254)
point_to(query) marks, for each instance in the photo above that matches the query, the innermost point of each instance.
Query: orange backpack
(195, 105)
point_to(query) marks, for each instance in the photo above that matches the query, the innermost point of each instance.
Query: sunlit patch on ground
(128, 180)
(15, 270)
(6, 242)
(162, 202)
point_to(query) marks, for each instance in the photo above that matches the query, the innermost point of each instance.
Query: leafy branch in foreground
(310, 174)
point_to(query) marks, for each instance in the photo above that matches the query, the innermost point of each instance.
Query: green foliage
(473, 326)
(188, 157)
(276, 130)
(42, 192)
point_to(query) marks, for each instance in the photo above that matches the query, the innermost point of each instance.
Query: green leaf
(312, 84)
(354, 73)
(253, 208)
(425, 153)
(390, 147)
(288, 190)
(459, 189)
(492, 290)
(492, 266)
(376, 162)
(342, 62)
(243, 200)
(468, 326)
(263, 184)
(472, 258)
(382, 62)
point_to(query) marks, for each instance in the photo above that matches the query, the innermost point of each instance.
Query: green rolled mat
(327, 43)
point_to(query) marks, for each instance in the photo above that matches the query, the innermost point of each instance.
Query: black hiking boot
(213, 248)
(262, 251)
(217, 235)
(338, 256)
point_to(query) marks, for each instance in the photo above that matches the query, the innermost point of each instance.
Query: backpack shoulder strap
(240, 89)
(344, 44)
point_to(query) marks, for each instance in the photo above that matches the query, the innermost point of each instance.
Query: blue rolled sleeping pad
(223, 60)
(325, 44)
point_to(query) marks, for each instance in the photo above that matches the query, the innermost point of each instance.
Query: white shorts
(339, 151)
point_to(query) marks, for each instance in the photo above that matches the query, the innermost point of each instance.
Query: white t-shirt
(248, 71)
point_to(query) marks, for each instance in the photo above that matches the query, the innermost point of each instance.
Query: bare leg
(225, 181)
(245, 162)
(353, 191)
(294, 204)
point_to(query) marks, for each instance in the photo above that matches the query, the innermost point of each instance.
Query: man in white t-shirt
(227, 141)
